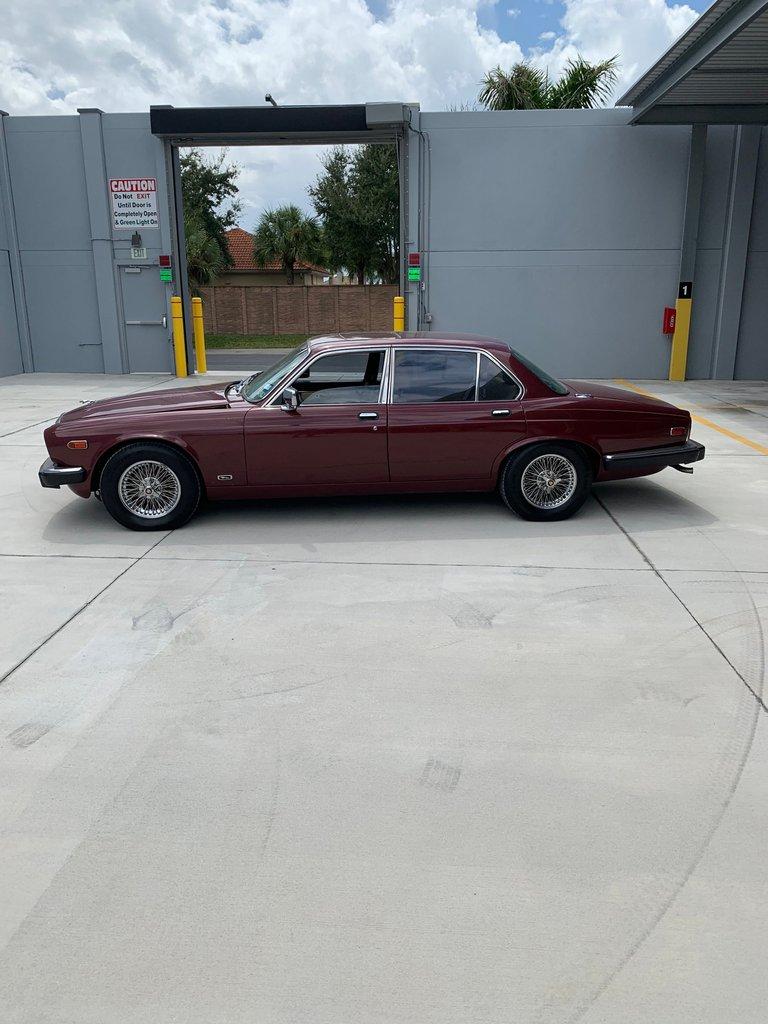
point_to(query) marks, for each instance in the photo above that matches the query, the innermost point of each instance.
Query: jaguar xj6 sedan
(367, 414)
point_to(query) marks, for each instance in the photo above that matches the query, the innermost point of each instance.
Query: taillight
(678, 432)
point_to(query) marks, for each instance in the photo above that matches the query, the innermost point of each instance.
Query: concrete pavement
(386, 760)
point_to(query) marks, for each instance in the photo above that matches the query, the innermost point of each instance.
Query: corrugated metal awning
(716, 72)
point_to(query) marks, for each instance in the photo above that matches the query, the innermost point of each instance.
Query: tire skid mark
(724, 779)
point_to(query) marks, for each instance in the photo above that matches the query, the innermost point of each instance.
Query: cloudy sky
(57, 55)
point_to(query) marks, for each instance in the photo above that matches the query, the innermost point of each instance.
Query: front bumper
(655, 458)
(53, 475)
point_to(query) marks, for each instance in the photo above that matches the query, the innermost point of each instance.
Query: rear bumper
(53, 475)
(655, 458)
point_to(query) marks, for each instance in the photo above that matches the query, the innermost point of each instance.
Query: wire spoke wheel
(549, 481)
(149, 489)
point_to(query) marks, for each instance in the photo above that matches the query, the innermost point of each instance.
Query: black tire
(574, 492)
(173, 469)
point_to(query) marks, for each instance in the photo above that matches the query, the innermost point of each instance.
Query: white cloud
(638, 31)
(127, 54)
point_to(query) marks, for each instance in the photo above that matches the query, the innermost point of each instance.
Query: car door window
(343, 378)
(495, 384)
(434, 375)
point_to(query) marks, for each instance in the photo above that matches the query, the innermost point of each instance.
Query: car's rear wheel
(546, 481)
(147, 486)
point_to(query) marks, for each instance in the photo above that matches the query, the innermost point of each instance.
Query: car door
(453, 413)
(337, 437)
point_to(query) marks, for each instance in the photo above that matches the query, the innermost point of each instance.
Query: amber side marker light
(79, 445)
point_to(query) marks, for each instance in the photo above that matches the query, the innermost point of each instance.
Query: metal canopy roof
(716, 72)
(223, 126)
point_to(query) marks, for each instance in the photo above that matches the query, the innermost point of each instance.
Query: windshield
(554, 385)
(258, 388)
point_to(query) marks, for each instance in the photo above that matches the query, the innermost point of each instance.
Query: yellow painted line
(702, 420)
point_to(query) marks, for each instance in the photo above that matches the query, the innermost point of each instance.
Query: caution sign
(134, 203)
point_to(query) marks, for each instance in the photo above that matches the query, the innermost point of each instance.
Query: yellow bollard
(679, 355)
(177, 324)
(199, 331)
(399, 313)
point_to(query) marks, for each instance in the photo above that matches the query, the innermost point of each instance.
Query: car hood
(629, 399)
(203, 396)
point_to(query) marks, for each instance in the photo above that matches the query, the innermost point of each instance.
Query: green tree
(525, 87)
(207, 190)
(333, 204)
(288, 235)
(375, 185)
(205, 259)
(357, 200)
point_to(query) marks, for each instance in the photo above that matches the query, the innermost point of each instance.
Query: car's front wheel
(546, 481)
(147, 486)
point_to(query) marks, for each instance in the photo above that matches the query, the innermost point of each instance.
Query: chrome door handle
(500, 412)
(367, 415)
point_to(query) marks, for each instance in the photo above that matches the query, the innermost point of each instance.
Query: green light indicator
(166, 274)
(414, 273)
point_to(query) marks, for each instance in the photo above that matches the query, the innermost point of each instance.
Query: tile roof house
(245, 270)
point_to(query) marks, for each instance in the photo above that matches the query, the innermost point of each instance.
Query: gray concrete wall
(72, 261)
(727, 336)
(752, 352)
(10, 340)
(48, 182)
(558, 230)
(561, 231)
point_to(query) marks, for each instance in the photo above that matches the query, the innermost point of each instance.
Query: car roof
(417, 338)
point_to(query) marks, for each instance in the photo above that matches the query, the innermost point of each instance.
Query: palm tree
(205, 259)
(288, 235)
(525, 87)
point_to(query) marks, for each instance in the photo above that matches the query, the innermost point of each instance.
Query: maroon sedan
(367, 414)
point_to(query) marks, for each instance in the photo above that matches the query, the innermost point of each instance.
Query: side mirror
(290, 398)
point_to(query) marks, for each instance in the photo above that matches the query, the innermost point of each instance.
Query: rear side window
(495, 384)
(424, 376)
(548, 381)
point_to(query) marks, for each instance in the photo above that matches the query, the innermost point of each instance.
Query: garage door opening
(264, 300)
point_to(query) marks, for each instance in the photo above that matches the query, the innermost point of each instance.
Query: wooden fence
(297, 309)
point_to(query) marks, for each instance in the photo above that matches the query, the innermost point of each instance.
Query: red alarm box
(669, 320)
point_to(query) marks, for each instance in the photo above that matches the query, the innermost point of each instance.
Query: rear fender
(593, 454)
